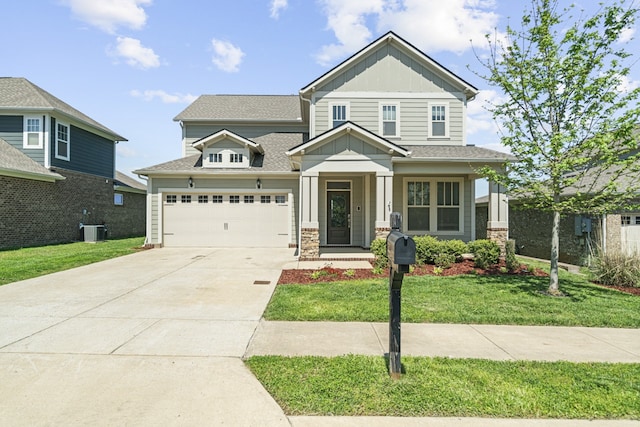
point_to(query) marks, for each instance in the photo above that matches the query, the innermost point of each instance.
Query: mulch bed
(330, 274)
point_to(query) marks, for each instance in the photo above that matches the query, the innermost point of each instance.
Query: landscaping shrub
(454, 247)
(427, 248)
(379, 251)
(510, 256)
(444, 260)
(485, 252)
(617, 269)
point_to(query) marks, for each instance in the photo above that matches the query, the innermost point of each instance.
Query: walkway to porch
(337, 257)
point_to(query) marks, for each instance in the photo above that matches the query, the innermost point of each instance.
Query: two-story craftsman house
(383, 131)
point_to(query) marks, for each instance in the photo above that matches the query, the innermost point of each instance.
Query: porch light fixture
(258, 184)
(190, 182)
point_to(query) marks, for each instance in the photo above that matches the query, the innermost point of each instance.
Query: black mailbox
(401, 251)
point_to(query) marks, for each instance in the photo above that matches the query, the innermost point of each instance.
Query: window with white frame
(265, 199)
(389, 120)
(203, 198)
(439, 126)
(281, 199)
(172, 198)
(33, 132)
(248, 199)
(339, 114)
(185, 198)
(62, 141)
(216, 198)
(234, 199)
(215, 157)
(235, 158)
(434, 205)
(118, 199)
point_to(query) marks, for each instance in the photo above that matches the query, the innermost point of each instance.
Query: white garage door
(215, 220)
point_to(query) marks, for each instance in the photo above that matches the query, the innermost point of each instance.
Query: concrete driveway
(153, 338)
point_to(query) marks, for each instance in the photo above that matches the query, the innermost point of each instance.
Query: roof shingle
(243, 107)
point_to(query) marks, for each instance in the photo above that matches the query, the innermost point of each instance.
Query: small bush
(427, 248)
(454, 247)
(379, 251)
(617, 269)
(510, 256)
(485, 252)
(444, 260)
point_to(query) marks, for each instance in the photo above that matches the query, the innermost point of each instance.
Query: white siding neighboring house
(383, 131)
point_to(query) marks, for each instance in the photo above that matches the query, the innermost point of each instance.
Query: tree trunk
(555, 251)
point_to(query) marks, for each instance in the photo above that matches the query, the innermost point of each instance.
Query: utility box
(94, 233)
(582, 225)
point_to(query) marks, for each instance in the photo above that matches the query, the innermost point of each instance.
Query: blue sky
(133, 65)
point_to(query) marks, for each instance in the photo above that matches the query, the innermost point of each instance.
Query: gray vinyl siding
(389, 70)
(398, 204)
(413, 118)
(11, 130)
(210, 185)
(88, 152)
(194, 132)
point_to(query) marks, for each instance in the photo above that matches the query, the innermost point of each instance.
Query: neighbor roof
(459, 153)
(14, 163)
(17, 93)
(278, 108)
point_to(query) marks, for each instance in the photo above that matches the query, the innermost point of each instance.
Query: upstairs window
(235, 158)
(62, 141)
(439, 126)
(339, 114)
(33, 135)
(215, 157)
(389, 120)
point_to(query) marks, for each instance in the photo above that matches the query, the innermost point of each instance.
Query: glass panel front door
(338, 217)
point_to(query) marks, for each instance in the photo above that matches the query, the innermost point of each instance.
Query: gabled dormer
(227, 150)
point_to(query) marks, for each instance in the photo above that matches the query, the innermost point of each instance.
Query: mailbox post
(401, 252)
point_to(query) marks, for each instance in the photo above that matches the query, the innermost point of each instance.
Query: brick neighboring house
(57, 170)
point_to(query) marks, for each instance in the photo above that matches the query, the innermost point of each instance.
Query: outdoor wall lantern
(258, 184)
(190, 182)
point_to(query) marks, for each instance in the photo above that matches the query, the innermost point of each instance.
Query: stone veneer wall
(382, 233)
(310, 244)
(36, 213)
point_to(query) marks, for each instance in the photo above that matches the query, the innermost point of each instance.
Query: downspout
(299, 228)
(604, 233)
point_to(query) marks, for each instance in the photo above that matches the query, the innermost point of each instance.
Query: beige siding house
(383, 131)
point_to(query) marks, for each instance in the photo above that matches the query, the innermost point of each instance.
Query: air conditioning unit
(94, 233)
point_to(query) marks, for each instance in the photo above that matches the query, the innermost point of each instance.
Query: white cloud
(226, 56)
(126, 152)
(431, 25)
(277, 6)
(165, 97)
(627, 85)
(627, 35)
(135, 54)
(108, 15)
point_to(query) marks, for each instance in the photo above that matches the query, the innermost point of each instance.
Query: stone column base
(310, 243)
(382, 232)
(499, 235)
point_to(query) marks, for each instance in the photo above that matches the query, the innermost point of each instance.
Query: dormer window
(235, 158)
(215, 157)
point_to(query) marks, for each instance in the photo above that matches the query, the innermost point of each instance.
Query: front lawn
(26, 263)
(360, 385)
(491, 299)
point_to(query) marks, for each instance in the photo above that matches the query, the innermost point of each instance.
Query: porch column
(384, 202)
(498, 224)
(309, 227)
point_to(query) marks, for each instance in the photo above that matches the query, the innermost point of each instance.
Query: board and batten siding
(12, 131)
(207, 185)
(88, 152)
(194, 132)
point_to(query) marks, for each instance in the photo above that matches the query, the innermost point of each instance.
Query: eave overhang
(226, 134)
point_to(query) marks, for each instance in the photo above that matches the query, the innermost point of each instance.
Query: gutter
(32, 175)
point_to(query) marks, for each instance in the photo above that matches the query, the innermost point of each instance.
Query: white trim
(330, 106)
(40, 132)
(326, 207)
(472, 183)
(68, 141)
(390, 95)
(381, 121)
(367, 211)
(433, 205)
(447, 119)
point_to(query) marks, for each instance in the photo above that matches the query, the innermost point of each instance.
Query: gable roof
(226, 134)
(243, 108)
(392, 38)
(349, 127)
(18, 93)
(14, 163)
(123, 181)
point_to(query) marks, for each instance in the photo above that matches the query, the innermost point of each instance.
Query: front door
(338, 217)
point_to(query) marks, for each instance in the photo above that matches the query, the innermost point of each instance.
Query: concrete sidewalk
(545, 343)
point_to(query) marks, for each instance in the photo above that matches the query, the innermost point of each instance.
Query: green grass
(26, 263)
(360, 386)
(518, 300)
